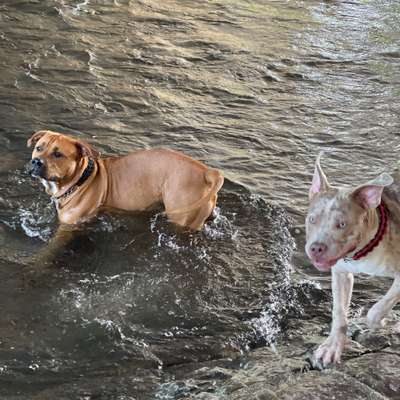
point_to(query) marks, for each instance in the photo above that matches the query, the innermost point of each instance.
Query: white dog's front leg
(331, 350)
(377, 313)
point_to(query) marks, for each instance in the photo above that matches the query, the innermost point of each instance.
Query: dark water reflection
(253, 88)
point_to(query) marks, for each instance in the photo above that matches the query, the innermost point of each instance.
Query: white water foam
(34, 222)
(221, 226)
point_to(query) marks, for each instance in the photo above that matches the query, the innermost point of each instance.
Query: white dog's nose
(318, 249)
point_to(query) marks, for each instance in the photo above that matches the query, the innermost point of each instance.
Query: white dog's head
(337, 217)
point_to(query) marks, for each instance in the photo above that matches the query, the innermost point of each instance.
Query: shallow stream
(253, 88)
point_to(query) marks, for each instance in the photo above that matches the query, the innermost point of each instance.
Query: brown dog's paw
(34, 275)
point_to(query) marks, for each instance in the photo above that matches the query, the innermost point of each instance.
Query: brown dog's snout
(318, 249)
(36, 162)
(37, 167)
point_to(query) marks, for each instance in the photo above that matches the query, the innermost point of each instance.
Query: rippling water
(255, 89)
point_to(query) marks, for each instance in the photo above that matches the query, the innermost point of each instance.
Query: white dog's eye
(311, 219)
(341, 225)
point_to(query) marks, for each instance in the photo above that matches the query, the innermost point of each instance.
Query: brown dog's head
(57, 157)
(338, 218)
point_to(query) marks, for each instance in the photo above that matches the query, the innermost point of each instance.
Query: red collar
(383, 223)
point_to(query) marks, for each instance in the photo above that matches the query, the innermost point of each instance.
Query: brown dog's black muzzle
(37, 168)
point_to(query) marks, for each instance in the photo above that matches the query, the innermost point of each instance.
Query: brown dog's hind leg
(192, 209)
(196, 219)
(193, 219)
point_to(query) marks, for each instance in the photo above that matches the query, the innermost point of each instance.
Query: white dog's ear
(319, 182)
(86, 150)
(369, 195)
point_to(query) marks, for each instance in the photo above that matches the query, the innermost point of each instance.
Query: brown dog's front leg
(41, 262)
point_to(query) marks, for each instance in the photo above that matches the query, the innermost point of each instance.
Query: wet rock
(207, 396)
(380, 340)
(373, 341)
(249, 393)
(379, 371)
(214, 373)
(326, 385)
(265, 371)
(370, 369)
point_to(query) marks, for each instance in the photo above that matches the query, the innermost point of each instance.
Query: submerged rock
(283, 372)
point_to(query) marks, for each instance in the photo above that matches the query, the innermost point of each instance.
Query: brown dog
(82, 183)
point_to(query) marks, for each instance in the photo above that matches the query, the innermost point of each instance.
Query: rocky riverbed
(370, 369)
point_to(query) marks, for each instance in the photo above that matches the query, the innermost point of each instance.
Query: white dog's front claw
(331, 350)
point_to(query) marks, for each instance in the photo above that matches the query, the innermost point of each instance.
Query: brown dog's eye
(57, 154)
(39, 148)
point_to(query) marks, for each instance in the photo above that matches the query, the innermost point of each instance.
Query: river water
(253, 88)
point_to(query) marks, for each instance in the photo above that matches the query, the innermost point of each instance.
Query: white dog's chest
(376, 264)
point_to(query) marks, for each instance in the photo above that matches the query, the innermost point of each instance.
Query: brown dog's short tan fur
(137, 181)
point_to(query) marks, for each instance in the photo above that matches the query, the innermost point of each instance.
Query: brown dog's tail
(214, 178)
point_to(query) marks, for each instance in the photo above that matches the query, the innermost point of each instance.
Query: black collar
(85, 175)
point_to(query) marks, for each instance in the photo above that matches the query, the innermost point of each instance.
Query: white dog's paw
(375, 319)
(331, 350)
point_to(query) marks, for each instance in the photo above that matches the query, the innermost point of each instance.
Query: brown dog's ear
(35, 137)
(86, 150)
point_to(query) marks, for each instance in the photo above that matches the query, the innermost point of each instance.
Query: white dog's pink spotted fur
(361, 222)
